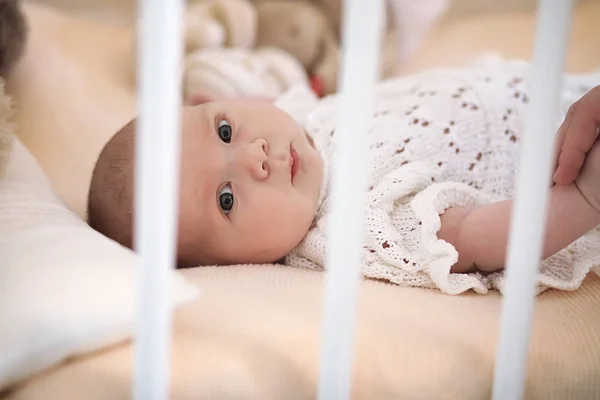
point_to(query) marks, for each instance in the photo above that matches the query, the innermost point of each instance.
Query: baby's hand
(588, 180)
(577, 136)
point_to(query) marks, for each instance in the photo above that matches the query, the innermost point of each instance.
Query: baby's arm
(480, 235)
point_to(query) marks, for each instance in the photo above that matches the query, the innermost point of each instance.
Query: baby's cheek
(287, 221)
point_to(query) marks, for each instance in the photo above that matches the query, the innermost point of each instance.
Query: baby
(443, 150)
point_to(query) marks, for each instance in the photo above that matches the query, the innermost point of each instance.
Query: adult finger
(559, 140)
(579, 138)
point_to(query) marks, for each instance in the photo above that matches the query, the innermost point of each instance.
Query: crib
(471, 347)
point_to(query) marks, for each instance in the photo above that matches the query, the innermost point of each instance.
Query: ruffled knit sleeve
(402, 222)
(401, 245)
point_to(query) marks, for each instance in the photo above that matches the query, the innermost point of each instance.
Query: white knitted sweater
(438, 139)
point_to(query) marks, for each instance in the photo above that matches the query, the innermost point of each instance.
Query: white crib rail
(529, 213)
(157, 184)
(156, 188)
(361, 42)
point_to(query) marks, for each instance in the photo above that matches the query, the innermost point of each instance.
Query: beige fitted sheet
(255, 334)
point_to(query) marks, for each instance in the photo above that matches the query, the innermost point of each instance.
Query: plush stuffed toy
(237, 72)
(221, 60)
(302, 30)
(220, 23)
(311, 29)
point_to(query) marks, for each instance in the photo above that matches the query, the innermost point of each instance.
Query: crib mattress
(255, 332)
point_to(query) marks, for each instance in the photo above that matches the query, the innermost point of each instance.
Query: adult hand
(576, 136)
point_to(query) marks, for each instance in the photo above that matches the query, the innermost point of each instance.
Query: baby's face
(250, 183)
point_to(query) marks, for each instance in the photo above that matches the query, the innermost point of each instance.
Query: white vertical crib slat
(160, 48)
(361, 43)
(529, 213)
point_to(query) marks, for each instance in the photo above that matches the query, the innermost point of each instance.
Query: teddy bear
(219, 23)
(293, 34)
(302, 30)
(241, 73)
(311, 31)
(221, 60)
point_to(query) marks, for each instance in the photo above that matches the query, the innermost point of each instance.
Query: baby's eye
(224, 131)
(226, 198)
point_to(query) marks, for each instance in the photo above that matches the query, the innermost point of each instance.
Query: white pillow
(64, 288)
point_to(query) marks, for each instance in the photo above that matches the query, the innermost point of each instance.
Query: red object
(316, 83)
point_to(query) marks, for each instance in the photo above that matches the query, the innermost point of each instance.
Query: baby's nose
(257, 160)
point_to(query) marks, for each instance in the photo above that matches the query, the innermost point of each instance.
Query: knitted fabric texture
(439, 139)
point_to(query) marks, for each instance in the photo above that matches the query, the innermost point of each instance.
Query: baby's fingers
(580, 134)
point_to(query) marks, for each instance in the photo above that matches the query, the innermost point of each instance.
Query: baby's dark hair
(111, 194)
(110, 199)
(13, 35)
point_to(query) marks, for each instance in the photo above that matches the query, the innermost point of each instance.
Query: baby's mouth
(294, 163)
